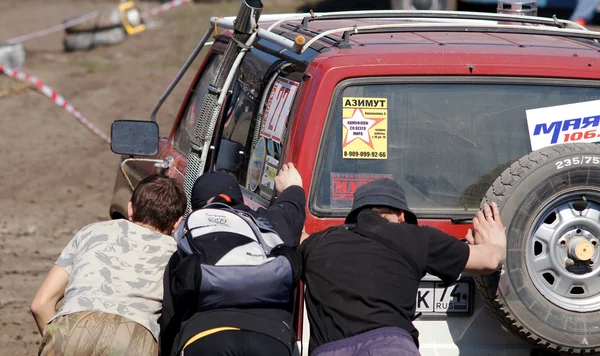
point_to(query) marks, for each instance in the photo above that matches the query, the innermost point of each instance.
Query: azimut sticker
(364, 130)
(554, 125)
(343, 186)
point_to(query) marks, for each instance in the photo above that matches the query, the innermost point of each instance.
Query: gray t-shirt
(117, 267)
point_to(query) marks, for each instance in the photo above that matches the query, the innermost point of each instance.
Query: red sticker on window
(343, 186)
(278, 109)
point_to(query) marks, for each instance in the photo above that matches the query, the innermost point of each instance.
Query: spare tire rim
(562, 251)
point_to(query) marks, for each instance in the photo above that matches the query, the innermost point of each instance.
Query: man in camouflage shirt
(110, 275)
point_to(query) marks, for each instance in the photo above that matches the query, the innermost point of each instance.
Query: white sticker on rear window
(563, 124)
(278, 109)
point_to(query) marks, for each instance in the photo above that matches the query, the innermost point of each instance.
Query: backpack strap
(395, 248)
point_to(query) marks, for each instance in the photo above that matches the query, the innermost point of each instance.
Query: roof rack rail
(299, 29)
(449, 21)
(454, 15)
(429, 27)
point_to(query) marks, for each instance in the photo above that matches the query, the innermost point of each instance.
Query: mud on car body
(460, 108)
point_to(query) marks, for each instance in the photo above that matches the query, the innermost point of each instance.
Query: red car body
(505, 57)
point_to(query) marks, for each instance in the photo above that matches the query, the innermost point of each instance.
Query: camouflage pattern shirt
(117, 267)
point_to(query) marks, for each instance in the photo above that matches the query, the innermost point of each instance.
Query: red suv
(458, 107)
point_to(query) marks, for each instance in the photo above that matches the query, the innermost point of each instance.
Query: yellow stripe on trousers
(206, 333)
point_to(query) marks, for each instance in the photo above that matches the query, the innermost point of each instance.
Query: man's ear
(130, 211)
(177, 223)
(401, 218)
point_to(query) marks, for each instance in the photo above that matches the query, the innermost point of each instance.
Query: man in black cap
(254, 329)
(362, 278)
(286, 215)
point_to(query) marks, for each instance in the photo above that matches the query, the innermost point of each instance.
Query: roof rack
(448, 21)
(349, 31)
(426, 14)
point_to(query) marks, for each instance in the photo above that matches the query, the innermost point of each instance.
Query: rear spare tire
(549, 289)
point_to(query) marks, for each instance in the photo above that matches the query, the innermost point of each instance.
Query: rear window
(445, 143)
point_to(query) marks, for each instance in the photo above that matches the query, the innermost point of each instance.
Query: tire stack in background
(12, 55)
(105, 29)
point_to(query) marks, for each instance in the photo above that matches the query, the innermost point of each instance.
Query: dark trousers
(236, 343)
(388, 341)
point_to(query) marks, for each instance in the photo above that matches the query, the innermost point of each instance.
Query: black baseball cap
(213, 184)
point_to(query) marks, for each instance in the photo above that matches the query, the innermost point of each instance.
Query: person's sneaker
(582, 22)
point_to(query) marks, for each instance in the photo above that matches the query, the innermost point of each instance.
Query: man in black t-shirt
(362, 278)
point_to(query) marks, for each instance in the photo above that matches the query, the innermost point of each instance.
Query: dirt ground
(57, 176)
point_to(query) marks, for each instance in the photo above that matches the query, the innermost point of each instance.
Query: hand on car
(487, 227)
(288, 176)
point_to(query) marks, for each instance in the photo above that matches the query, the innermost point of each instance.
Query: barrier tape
(56, 28)
(54, 96)
(86, 17)
(164, 7)
(49, 92)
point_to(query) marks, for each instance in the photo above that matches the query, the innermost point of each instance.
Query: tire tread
(487, 285)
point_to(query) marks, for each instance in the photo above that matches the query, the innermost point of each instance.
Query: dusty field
(56, 175)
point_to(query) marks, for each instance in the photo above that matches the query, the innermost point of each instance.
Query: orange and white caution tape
(164, 7)
(56, 98)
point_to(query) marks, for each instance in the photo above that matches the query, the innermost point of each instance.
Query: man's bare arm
(50, 293)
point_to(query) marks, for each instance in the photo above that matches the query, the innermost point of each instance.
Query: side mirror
(130, 137)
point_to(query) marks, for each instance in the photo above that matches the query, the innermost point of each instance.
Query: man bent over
(110, 275)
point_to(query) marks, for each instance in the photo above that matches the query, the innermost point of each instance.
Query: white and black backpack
(242, 260)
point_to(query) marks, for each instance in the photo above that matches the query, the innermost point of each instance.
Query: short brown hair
(158, 201)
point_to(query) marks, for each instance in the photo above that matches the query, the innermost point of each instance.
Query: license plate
(455, 300)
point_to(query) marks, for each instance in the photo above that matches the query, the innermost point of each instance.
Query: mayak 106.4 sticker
(563, 124)
(365, 128)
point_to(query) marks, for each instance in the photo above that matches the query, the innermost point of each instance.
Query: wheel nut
(569, 262)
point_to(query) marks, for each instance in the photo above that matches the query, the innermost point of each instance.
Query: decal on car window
(364, 130)
(343, 186)
(257, 161)
(278, 109)
(267, 183)
(564, 123)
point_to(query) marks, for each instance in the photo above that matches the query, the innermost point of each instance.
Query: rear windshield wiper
(458, 221)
